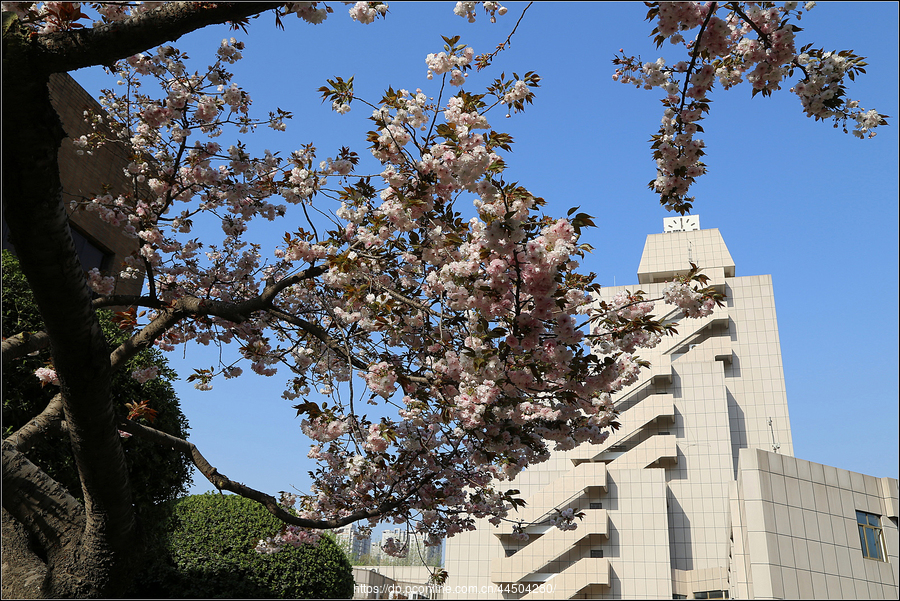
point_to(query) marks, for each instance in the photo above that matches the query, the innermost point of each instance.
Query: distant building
(417, 551)
(356, 544)
(394, 582)
(698, 494)
(98, 243)
(398, 578)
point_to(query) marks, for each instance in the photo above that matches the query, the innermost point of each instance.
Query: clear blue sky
(812, 206)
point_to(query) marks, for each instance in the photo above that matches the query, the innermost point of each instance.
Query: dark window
(89, 254)
(870, 535)
(597, 553)
(711, 594)
(596, 506)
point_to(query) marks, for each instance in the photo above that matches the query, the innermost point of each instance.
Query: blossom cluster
(733, 41)
(289, 535)
(565, 519)
(395, 548)
(821, 92)
(366, 12)
(519, 534)
(100, 284)
(146, 374)
(691, 301)
(453, 60)
(47, 375)
(381, 379)
(467, 10)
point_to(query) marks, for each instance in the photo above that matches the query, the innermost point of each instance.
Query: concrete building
(394, 582)
(802, 530)
(98, 243)
(356, 544)
(417, 551)
(698, 494)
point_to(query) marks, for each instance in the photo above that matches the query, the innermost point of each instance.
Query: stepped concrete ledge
(648, 411)
(560, 492)
(574, 579)
(548, 547)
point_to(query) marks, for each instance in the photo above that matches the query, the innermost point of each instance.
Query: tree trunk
(39, 230)
(24, 574)
(52, 546)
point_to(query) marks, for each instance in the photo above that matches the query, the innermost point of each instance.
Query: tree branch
(126, 300)
(50, 419)
(23, 344)
(103, 45)
(321, 334)
(222, 482)
(737, 9)
(25, 575)
(485, 59)
(189, 306)
(694, 55)
(402, 298)
(47, 511)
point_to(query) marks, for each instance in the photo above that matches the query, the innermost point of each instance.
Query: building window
(89, 253)
(597, 553)
(596, 506)
(711, 595)
(870, 535)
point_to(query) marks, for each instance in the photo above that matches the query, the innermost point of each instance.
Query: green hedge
(211, 540)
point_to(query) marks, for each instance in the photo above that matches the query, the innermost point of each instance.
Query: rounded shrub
(211, 540)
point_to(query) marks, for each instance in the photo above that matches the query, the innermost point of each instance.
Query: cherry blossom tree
(437, 290)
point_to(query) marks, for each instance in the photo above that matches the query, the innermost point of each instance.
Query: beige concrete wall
(797, 524)
(84, 176)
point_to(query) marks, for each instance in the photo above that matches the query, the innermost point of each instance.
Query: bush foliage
(157, 474)
(211, 554)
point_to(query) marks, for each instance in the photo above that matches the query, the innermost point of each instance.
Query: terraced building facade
(697, 495)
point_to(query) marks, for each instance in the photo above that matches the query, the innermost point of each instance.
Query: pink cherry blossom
(47, 375)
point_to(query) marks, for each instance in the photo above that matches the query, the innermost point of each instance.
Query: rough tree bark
(52, 546)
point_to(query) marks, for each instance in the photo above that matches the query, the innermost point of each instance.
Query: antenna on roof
(775, 445)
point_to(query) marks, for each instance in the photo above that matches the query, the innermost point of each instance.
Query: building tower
(357, 543)
(665, 497)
